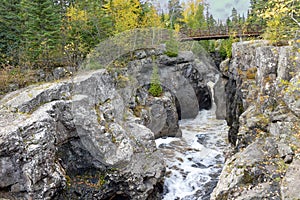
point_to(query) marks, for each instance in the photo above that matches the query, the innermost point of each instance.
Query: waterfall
(195, 161)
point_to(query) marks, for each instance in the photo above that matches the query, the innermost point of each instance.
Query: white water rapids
(194, 162)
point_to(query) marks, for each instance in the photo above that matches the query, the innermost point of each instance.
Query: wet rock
(199, 165)
(202, 139)
(220, 98)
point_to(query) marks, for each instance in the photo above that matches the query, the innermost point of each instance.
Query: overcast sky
(221, 9)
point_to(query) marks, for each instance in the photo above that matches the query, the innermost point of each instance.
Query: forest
(45, 34)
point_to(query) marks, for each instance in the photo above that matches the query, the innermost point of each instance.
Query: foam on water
(194, 161)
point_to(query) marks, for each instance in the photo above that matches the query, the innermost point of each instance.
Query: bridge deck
(216, 37)
(225, 32)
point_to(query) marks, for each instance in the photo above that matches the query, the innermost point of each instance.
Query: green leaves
(276, 15)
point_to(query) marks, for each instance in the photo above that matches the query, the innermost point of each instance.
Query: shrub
(172, 48)
(155, 87)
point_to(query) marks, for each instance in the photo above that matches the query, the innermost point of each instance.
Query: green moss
(277, 179)
(101, 181)
(68, 180)
(113, 139)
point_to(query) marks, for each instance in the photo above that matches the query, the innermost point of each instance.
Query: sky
(221, 9)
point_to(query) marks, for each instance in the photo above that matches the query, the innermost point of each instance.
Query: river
(194, 162)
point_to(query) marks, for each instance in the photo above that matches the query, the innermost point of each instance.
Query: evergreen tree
(85, 25)
(155, 87)
(10, 31)
(234, 16)
(256, 7)
(41, 30)
(211, 22)
(175, 13)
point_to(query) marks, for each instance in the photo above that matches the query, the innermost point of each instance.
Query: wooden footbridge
(221, 33)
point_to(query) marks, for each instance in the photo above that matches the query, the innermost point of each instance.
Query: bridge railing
(223, 31)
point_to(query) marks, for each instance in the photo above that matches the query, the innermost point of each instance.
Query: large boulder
(55, 145)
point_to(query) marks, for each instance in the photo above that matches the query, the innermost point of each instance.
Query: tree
(10, 31)
(256, 7)
(193, 15)
(149, 16)
(281, 19)
(85, 25)
(175, 13)
(211, 22)
(41, 31)
(155, 87)
(125, 14)
(234, 16)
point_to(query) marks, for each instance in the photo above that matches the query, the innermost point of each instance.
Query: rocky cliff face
(261, 84)
(92, 137)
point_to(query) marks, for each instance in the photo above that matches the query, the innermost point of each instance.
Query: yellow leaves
(278, 20)
(151, 19)
(129, 14)
(177, 28)
(75, 14)
(193, 14)
(125, 14)
(191, 8)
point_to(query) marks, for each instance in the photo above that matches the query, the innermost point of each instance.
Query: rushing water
(194, 162)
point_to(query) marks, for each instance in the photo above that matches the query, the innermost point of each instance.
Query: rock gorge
(92, 136)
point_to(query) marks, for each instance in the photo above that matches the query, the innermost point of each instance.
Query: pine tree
(234, 16)
(41, 30)
(155, 86)
(175, 13)
(10, 31)
(85, 25)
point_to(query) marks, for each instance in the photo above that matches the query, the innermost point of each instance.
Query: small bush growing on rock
(155, 87)
(155, 90)
(172, 48)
